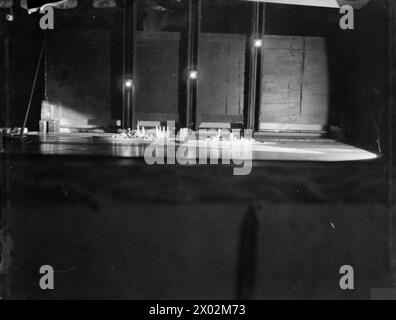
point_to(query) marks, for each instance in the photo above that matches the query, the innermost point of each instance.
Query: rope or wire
(33, 88)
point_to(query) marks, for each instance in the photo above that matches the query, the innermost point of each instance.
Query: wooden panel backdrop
(157, 89)
(295, 84)
(221, 68)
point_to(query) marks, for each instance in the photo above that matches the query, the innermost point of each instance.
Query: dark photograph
(226, 151)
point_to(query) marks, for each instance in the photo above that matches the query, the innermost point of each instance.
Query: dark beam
(390, 138)
(257, 32)
(129, 65)
(7, 79)
(194, 30)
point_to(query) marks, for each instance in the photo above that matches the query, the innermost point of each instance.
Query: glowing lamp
(193, 75)
(258, 43)
(128, 83)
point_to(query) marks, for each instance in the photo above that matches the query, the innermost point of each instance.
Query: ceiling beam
(357, 4)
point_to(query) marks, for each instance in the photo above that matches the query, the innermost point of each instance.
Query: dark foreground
(116, 228)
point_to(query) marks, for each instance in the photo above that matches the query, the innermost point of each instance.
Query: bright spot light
(193, 75)
(128, 83)
(258, 43)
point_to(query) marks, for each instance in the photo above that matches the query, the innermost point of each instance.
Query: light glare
(128, 83)
(258, 43)
(193, 75)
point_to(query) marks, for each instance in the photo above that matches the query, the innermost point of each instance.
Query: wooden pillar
(7, 82)
(5, 71)
(129, 73)
(194, 31)
(390, 126)
(257, 33)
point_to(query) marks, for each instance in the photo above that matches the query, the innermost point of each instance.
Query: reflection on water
(94, 149)
(273, 150)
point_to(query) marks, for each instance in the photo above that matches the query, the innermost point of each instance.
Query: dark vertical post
(4, 176)
(7, 82)
(253, 67)
(124, 54)
(390, 116)
(129, 94)
(194, 30)
(134, 54)
(257, 33)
